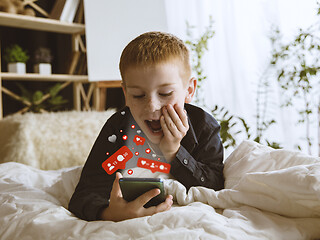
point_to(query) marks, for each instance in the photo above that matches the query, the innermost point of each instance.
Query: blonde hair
(152, 48)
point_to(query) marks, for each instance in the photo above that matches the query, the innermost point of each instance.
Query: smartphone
(132, 188)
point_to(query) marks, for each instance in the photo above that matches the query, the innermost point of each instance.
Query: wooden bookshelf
(76, 30)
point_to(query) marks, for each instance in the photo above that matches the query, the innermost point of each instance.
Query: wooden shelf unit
(55, 26)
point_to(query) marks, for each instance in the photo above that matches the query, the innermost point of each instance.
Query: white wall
(111, 25)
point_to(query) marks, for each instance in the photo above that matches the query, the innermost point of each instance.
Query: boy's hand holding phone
(119, 209)
(174, 123)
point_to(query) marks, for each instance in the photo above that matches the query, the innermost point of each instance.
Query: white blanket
(270, 194)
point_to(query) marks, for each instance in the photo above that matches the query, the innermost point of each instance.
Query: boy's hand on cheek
(174, 123)
(119, 209)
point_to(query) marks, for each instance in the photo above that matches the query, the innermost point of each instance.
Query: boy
(156, 72)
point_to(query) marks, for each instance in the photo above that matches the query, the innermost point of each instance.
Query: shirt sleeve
(93, 190)
(203, 166)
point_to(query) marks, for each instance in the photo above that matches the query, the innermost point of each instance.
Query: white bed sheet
(270, 194)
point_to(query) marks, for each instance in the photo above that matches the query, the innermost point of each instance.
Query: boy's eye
(166, 94)
(138, 96)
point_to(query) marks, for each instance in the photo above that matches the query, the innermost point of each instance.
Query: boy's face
(148, 89)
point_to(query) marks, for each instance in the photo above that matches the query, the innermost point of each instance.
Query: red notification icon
(117, 160)
(153, 165)
(138, 140)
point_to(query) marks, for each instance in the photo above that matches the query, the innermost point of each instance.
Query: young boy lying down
(158, 87)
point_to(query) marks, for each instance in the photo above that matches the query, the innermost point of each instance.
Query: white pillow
(50, 140)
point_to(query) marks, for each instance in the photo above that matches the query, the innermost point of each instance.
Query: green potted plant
(42, 58)
(16, 57)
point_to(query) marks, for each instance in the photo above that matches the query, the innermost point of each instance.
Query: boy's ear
(192, 85)
(123, 86)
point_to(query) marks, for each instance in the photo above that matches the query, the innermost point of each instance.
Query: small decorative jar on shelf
(42, 58)
(16, 57)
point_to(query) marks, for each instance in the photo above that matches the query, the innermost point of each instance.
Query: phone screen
(132, 188)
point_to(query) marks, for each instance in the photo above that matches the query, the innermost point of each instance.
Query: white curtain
(239, 53)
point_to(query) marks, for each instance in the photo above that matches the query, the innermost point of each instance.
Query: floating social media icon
(153, 165)
(112, 138)
(130, 171)
(117, 160)
(138, 140)
(148, 150)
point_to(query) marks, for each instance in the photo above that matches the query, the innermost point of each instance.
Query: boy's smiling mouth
(154, 125)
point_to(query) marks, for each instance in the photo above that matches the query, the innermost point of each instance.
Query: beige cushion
(50, 140)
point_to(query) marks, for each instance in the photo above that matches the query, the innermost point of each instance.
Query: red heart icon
(130, 171)
(148, 150)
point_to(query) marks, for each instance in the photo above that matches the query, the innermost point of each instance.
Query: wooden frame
(35, 6)
(102, 92)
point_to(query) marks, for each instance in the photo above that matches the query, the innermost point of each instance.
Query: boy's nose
(153, 105)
